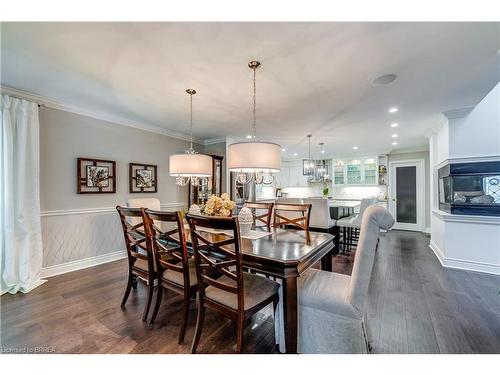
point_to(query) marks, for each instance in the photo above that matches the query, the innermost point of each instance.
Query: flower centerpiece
(219, 206)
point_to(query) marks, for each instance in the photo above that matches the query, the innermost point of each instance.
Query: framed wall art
(96, 176)
(143, 178)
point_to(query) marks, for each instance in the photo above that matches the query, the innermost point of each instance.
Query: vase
(245, 219)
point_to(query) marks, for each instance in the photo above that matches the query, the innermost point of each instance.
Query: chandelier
(254, 160)
(308, 165)
(190, 166)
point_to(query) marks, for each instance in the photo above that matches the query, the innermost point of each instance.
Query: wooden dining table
(286, 254)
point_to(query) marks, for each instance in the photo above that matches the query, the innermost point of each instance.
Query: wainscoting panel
(74, 239)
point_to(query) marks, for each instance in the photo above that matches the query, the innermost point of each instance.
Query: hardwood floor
(415, 306)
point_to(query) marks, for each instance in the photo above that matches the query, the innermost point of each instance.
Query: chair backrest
(262, 212)
(135, 236)
(217, 255)
(169, 247)
(365, 203)
(295, 215)
(374, 219)
(320, 213)
(151, 203)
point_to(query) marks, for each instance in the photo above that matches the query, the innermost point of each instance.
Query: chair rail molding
(80, 211)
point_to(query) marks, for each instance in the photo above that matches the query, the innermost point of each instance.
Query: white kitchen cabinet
(282, 178)
(362, 171)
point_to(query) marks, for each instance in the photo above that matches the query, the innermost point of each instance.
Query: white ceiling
(315, 77)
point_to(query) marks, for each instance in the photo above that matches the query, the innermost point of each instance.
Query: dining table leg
(326, 262)
(290, 313)
(336, 240)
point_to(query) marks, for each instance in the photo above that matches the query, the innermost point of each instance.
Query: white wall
(478, 133)
(82, 226)
(463, 241)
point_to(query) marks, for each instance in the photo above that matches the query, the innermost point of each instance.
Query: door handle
(394, 199)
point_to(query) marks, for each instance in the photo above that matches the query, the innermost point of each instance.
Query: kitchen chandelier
(308, 165)
(259, 159)
(190, 166)
(322, 168)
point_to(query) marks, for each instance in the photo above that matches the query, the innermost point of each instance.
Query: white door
(406, 194)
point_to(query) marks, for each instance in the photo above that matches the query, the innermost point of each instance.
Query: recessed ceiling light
(322, 151)
(394, 125)
(355, 147)
(283, 149)
(384, 79)
(295, 154)
(394, 143)
(393, 110)
(394, 136)
(249, 136)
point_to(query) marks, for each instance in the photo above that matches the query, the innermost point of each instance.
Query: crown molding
(213, 141)
(47, 102)
(458, 113)
(409, 150)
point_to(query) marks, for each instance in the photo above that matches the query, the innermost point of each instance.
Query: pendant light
(308, 165)
(254, 157)
(322, 169)
(190, 166)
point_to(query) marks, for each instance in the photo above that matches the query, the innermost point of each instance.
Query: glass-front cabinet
(470, 188)
(370, 169)
(338, 174)
(355, 172)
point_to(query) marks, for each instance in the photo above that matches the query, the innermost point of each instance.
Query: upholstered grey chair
(351, 224)
(320, 214)
(332, 305)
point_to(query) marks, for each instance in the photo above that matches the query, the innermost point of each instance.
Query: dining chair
(332, 309)
(222, 284)
(262, 212)
(140, 258)
(292, 215)
(176, 270)
(320, 215)
(150, 203)
(350, 225)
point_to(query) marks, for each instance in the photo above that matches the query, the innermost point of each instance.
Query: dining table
(338, 209)
(284, 254)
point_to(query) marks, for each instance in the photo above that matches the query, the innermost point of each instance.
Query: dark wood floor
(415, 306)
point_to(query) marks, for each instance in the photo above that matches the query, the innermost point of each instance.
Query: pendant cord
(191, 121)
(254, 104)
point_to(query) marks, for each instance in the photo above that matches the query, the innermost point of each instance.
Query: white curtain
(20, 229)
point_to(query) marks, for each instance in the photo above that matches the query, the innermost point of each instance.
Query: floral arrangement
(219, 206)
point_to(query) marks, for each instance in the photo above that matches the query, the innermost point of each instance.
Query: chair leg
(127, 290)
(199, 325)
(134, 281)
(239, 334)
(159, 295)
(187, 299)
(148, 299)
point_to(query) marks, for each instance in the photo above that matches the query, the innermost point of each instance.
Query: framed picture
(96, 176)
(143, 178)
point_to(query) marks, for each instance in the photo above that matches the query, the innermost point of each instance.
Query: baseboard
(59, 269)
(472, 266)
(461, 264)
(437, 251)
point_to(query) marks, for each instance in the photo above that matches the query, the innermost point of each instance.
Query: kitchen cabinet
(363, 171)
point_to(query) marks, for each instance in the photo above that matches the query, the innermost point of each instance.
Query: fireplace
(470, 188)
